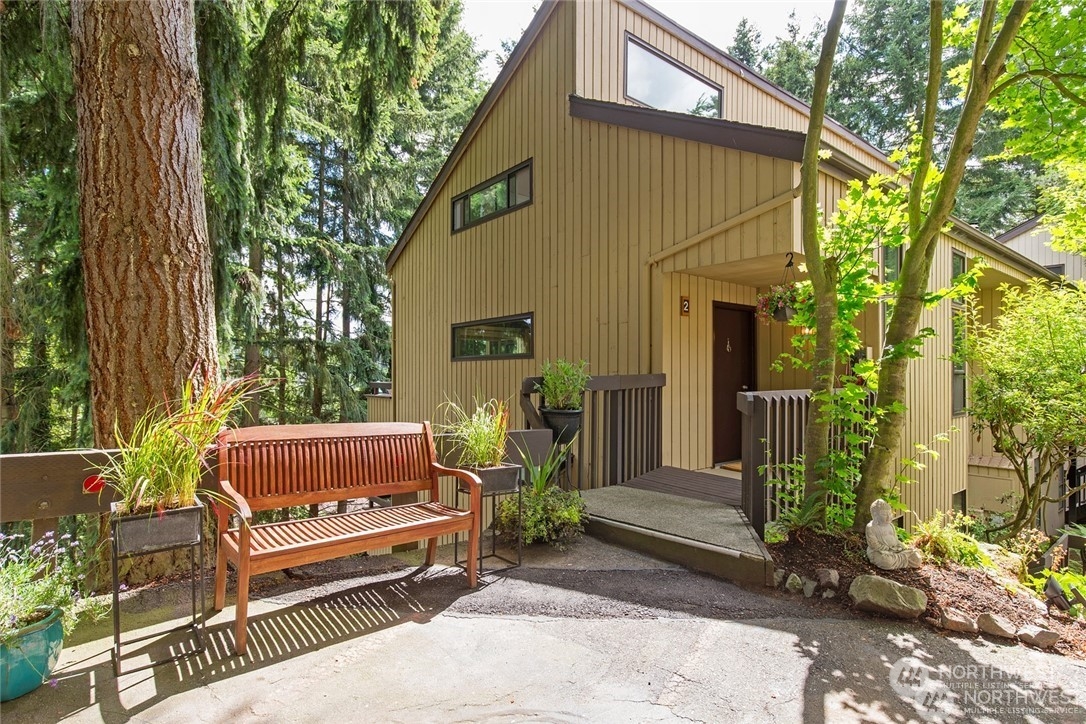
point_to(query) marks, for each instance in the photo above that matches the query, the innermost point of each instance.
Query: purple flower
(53, 682)
(122, 587)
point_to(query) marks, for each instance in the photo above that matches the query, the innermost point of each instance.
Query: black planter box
(503, 479)
(149, 532)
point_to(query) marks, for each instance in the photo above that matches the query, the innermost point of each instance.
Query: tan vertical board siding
(1036, 244)
(601, 35)
(379, 408)
(688, 363)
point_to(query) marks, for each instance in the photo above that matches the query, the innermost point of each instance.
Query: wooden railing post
(753, 431)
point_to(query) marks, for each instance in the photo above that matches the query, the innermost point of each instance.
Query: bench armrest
(234, 500)
(469, 480)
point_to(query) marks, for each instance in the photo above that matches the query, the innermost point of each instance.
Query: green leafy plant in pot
(550, 514)
(41, 600)
(157, 471)
(562, 393)
(478, 441)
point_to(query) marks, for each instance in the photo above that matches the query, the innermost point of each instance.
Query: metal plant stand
(196, 625)
(493, 495)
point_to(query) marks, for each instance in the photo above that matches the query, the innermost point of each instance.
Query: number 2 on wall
(684, 306)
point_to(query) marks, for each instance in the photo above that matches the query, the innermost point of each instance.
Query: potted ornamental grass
(562, 397)
(778, 304)
(41, 600)
(157, 470)
(477, 441)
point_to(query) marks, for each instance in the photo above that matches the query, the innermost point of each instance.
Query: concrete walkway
(595, 634)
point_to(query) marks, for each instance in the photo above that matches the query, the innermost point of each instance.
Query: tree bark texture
(146, 255)
(989, 54)
(822, 272)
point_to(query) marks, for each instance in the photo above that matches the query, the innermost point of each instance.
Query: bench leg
(431, 551)
(473, 554)
(220, 577)
(242, 609)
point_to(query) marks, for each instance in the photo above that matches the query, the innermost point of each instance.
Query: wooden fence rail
(621, 435)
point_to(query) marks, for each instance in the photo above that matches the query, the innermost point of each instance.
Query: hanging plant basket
(784, 314)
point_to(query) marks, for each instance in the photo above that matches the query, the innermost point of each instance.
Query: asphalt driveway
(595, 634)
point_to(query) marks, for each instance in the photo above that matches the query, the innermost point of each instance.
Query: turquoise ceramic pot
(27, 660)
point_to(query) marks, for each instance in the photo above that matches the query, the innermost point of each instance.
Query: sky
(491, 21)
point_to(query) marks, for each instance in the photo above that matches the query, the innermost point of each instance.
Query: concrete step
(701, 535)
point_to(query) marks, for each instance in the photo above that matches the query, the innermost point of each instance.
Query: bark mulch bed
(971, 590)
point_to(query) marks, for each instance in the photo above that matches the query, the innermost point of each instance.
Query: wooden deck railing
(621, 434)
(774, 423)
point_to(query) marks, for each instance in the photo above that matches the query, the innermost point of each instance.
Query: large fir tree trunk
(146, 256)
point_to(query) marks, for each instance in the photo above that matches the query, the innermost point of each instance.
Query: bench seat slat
(288, 537)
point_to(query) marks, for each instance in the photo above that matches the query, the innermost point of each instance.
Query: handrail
(621, 435)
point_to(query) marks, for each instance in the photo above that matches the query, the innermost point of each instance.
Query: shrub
(942, 538)
(38, 578)
(551, 515)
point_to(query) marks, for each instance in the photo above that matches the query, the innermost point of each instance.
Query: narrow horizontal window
(504, 192)
(1059, 269)
(502, 337)
(657, 81)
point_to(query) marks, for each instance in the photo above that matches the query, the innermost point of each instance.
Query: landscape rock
(809, 587)
(1042, 638)
(995, 625)
(881, 595)
(954, 620)
(778, 577)
(828, 578)
(829, 593)
(794, 583)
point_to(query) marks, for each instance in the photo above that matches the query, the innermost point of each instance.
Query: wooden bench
(276, 466)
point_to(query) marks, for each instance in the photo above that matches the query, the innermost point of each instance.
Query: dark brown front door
(733, 372)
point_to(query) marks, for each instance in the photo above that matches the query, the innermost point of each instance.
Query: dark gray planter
(501, 479)
(148, 532)
(564, 423)
(784, 314)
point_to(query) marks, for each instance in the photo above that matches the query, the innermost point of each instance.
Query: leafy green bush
(551, 515)
(36, 579)
(943, 538)
(555, 516)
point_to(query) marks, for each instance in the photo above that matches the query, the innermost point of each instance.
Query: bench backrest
(275, 466)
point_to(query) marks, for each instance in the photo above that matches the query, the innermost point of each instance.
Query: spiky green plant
(563, 384)
(159, 466)
(479, 436)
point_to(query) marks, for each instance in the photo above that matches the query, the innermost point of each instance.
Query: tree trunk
(345, 285)
(253, 364)
(822, 273)
(319, 358)
(989, 53)
(146, 256)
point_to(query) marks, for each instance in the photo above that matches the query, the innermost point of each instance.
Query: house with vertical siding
(621, 195)
(991, 476)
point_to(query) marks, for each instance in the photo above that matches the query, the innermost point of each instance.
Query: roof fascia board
(965, 233)
(512, 64)
(1027, 225)
(713, 131)
(748, 74)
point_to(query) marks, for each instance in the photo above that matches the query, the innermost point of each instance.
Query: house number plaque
(684, 306)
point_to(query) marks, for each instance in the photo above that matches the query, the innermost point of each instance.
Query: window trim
(630, 37)
(530, 354)
(504, 175)
(957, 310)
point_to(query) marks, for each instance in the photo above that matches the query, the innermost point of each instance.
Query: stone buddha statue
(883, 547)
